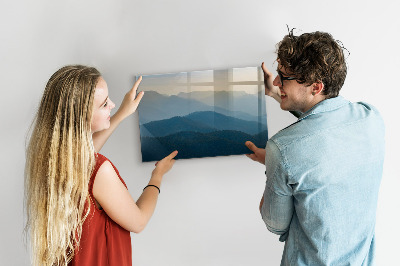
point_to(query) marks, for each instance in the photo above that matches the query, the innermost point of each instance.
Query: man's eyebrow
(279, 72)
(283, 74)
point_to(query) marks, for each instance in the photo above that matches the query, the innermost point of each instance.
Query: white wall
(208, 208)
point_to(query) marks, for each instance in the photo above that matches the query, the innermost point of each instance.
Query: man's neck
(316, 100)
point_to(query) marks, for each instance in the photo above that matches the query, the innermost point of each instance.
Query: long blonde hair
(59, 162)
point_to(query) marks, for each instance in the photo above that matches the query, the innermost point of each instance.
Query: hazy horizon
(247, 79)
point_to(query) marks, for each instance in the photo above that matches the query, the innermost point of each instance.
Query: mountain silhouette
(238, 101)
(197, 145)
(223, 122)
(155, 106)
(173, 125)
(202, 122)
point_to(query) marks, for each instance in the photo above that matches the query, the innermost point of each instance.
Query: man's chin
(285, 108)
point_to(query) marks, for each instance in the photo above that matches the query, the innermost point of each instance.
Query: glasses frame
(282, 78)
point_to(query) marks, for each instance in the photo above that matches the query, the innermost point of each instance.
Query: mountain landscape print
(202, 113)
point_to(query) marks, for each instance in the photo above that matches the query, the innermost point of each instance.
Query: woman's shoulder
(99, 161)
(105, 167)
(102, 164)
(100, 158)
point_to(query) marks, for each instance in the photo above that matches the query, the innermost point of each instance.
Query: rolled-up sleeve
(277, 209)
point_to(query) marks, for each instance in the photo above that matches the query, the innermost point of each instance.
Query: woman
(78, 207)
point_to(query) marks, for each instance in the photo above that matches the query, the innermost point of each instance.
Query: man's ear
(317, 88)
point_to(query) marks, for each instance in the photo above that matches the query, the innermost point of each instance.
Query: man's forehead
(282, 69)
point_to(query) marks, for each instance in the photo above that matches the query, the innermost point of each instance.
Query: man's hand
(270, 89)
(258, 155)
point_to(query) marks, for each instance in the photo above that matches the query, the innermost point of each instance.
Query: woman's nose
(112, 105)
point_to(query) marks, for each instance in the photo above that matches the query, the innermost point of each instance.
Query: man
(323, 171)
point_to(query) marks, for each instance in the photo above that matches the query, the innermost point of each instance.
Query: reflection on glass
(202, 113)
(245, 74)
(201, 76)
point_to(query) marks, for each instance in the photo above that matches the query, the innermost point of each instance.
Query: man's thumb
(251, 146)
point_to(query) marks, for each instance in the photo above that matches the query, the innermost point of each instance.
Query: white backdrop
(208, 208)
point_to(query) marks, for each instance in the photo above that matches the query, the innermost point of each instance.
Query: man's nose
(277, 81)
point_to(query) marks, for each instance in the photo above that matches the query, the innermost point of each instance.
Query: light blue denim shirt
(323, 176)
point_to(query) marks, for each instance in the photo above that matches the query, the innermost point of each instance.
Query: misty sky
(247, 79)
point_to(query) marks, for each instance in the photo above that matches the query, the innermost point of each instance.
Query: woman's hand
(163, 166)
(131, 101)
(270, 89)
(128, 107)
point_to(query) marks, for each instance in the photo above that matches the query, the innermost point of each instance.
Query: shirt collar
(325, 106)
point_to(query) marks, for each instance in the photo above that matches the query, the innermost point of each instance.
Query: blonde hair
(59, 161)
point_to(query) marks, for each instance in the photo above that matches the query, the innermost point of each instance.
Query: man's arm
(270, 89)
(128, 107)
(276, 205)
(274, 91)
(261, 203)
(258, 154)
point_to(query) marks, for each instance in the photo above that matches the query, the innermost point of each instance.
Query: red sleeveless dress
(103, 241)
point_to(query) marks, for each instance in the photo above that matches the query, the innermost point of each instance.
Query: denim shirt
(323, 176)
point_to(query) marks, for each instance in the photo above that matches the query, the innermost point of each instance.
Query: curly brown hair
(314, 57)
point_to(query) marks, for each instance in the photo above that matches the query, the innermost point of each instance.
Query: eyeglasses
(282, 78)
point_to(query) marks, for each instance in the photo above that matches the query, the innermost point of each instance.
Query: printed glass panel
(202, 113)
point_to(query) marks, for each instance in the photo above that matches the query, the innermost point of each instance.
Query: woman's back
(64, 218)
(103, 242)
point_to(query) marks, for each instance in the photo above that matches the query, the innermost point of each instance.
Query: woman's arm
(128, 107)
(116, 201)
